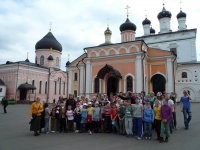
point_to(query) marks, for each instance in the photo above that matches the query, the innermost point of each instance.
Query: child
(77, 117)
(96, 117)
(121, 118)
(54, 118)
(70, 118)
(138, 117)
(47, 117)
(166, 115)
(148, 120)
(128, 118)
(107, 123)
(157, 120)
(62, 115)
(89, 117)
(83, 118)
(114, 118)
(102, 116)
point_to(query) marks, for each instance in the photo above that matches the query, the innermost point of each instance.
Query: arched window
(129, 83)
(55, 87)
(57, 61)
(42, 60)
(184, 74)
(46, 87)
(96, 85)
(33, 83)
(40, 88)
(59, 80)
(63, 88)
(36, 59)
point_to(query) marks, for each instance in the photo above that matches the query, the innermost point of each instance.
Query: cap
(89, 103)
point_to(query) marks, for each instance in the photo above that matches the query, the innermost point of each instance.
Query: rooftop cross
(180, 2)
(108, 22)
(50, 24)
(27, 54)
(127, 7)
(145, 12)
(163, 3)
(68, 57)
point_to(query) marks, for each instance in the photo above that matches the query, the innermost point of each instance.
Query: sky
(77, 24)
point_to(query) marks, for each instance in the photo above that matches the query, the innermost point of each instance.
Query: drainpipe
(17, 82)
(78, 76)
(48, 86)
(174, 69)
(143, 65)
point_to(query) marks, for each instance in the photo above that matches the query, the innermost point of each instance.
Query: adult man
(185, 108)
(4, 103)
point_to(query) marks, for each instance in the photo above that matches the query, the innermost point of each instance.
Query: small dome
(152, 30)
(50, 57)
(146, 21)
(108, 31)
(181, 15)
(164, 13)
(127, 25)
(47, 42)
(67, 64)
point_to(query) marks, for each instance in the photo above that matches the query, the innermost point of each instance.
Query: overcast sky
(79, 23)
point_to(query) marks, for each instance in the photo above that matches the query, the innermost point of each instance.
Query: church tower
(146, 26)
(48, 51)
(127, 29)
(181, 17)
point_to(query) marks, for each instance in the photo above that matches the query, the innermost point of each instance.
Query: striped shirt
(107, 111)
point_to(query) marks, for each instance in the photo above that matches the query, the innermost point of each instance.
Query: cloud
(78, 24)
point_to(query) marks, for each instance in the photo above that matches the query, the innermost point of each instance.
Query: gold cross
(108, 22)
(127, 7)
(50, 27)
(27, 54)
(180, 2)
(163, 3)
(145, 12)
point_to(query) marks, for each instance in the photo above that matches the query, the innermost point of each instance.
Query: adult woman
(35, 113)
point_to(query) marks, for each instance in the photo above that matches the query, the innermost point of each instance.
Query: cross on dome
(127, 7)
(50, 24)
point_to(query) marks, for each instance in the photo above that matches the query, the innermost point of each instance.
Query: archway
(158, 81)
(111, 85)
(23, 93)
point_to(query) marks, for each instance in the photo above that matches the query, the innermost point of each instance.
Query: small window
(46, 87)
(33, 83)
(57, 61)
(1, 89)
(40, 88)
(75, 76)
(174, 50)
(42, 60)
(63, 88)
(129, 83)
(96, 85)
(55, 87)
(75, 93)
(59, 80)
(184, 74)
(36, 59)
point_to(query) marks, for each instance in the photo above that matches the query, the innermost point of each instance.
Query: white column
(138, 70)
(81, 80)
(88, 81)
(169, 76)
(70, 82)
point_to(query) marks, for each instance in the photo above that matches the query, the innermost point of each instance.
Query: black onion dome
(67, 64)
(146, 21)
(152, 30)
(181, 15)
(108, 31)
(127, 25)
(164, 13)
(27, 60)
(47, 42)
(50, 57)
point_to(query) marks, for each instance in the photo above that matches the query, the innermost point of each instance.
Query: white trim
(133, 46)
(138, 68)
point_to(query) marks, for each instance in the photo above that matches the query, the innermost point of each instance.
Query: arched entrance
(111, 85)
(158, 81)
(23, 93)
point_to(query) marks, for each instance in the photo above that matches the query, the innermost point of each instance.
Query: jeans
(53, 124)
(107, 125)
(147, 129)
(164, 129)
(122, 126)
(174, 118)
(187, 116)
(128, 126)
(158, 127)
(46, 126)
(138, 126)
(4, 108)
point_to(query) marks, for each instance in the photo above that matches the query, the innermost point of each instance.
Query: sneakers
(161, 140)
(90, 132)
(76, 131)
(52, 131)
(149, 138)
(146, 138)
(139, 138)
(166, 140)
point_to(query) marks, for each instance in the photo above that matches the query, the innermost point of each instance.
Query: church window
(129, 83)
(131, 37)
(42, 60)
(36, 59)
(33, 83)
(46, 87)
(174, 50)
(59, 80)
(63, 88)
(40, 88)
(75, 76)
(55, 87)
(75, 93)
(126, 38)
(57, 61)
(1, 89)
(96, 85)
(184, 74)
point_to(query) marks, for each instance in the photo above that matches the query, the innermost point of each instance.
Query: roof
(48, 42)
(27, 86)
(1, 82)
(107, 68)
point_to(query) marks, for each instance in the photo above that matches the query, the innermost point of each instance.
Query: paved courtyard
(15, 135)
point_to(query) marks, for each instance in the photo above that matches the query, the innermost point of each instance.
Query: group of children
(118, 116)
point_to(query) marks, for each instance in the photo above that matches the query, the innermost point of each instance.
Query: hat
(89, 103)
(77, 96)
(84, 104)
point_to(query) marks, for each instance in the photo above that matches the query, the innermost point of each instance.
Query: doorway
(158, 82)
(111, 85)
(23, 93)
